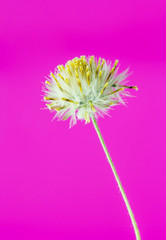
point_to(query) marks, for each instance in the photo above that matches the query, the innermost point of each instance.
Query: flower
(85, 86)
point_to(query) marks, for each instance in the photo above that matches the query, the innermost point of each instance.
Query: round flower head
(85, 86)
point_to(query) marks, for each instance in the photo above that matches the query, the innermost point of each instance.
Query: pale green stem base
(117, 179)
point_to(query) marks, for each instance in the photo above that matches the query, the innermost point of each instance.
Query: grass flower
(86, 88)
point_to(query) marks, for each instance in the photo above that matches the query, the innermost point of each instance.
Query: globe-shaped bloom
(85, 86)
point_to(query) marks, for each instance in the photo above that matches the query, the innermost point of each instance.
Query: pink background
(56, 183)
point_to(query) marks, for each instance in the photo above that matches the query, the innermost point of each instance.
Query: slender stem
(117, 179)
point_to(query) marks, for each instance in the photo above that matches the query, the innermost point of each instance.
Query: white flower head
(85, 86)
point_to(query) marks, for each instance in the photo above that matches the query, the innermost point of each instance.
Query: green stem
(117, 179)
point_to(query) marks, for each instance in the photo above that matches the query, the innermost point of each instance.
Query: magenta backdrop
(56, 183)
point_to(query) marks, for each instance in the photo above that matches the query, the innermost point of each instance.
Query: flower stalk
(117, 179)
